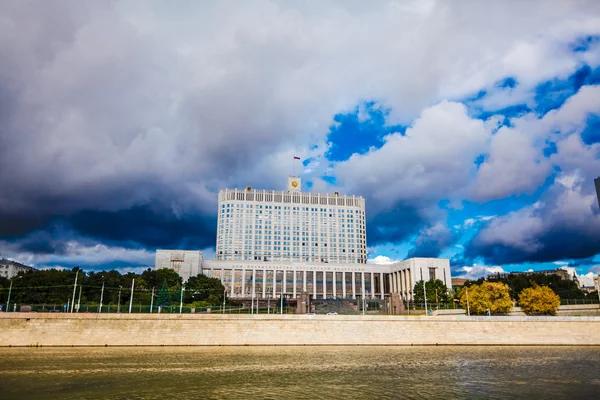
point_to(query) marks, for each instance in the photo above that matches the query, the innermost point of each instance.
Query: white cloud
(381, 260)
(415, 167)
(478, 271)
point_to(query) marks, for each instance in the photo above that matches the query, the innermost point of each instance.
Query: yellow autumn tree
(489, 295)
(539, 300)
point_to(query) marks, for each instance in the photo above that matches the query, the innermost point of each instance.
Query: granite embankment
(31, 329)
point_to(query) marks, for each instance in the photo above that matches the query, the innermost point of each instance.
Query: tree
(436, 291)
(204, 289)
(163, 299)
(539, 300)
(489, 295)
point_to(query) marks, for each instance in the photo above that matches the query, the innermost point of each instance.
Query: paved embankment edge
(32, 329)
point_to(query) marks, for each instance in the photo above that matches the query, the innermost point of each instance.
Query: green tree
(156, 277)
(164, 298)
(489, 295)
(539, 300)
(204, 289)
(437, 292)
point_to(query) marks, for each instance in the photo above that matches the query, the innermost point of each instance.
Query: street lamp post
(119, 300)
(152, 301)
(425, 296)
(131, 297)
(10, 291)
(181, 300)
(101, 298)
(468, 309)
(79, 299)
(74, 289)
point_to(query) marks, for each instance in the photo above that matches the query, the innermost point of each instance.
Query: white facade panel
(266, 225)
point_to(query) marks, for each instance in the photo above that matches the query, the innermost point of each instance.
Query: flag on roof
(296, 158)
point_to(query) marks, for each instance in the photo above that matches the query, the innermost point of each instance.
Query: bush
(539, 300)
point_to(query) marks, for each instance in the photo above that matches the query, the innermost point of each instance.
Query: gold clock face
(294, 183)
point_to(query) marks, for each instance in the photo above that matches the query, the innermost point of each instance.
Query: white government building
(273, 242)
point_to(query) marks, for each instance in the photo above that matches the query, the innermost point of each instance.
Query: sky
(472, 129)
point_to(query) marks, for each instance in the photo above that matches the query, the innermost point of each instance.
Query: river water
(300, 373)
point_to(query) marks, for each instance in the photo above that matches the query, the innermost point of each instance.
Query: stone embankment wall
(564, 310)
(30, 329)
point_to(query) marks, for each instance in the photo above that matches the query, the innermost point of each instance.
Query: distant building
(597, 182)
(456, 282)
(296, 226)
(289, 242)
(186, 263)
(561, 273)
(9, 268)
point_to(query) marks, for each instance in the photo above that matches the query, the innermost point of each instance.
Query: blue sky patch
(356, 133)
(591, 134)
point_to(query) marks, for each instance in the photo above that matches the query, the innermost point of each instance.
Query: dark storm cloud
(432, 241)
(565, 224)
(152, 226)
(394, 225)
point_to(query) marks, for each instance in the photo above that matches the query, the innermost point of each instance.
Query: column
(324, 284)
(294, 289)
(232, 282)
(243, 283)
(304, 281)
(334, 284)
(314, 284)
(223, 276)
(274, 283)
(344, 285)
(373, 285)
(391, 282)
(283, 282)
(381, 285)
(253, 283)
(394, 283)
(264, 284)
(353, 284)
(362, 279)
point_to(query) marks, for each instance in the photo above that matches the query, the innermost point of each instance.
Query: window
(431, 274)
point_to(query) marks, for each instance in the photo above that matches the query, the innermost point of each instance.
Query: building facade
(186, 263)
(268, 225)
(271, 243)
(260, 279)
(10, 269)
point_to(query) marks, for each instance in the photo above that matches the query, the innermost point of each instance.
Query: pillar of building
(264, 284)
(373, 285)
(294, 283)
(314, 285)
(283, 283)
(382, 286)
(362, 281)
(353, 284)
(344, 284)
(391, 282)
(304, 281)
(243, 283)
(253, 283)
(324, 284)
(232, 282)
(334, 274)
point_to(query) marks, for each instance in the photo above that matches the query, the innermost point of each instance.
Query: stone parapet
(30, 329)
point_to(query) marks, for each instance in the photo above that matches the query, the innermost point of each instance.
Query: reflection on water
(299, 372)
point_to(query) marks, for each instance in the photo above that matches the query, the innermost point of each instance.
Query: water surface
(300, 372)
